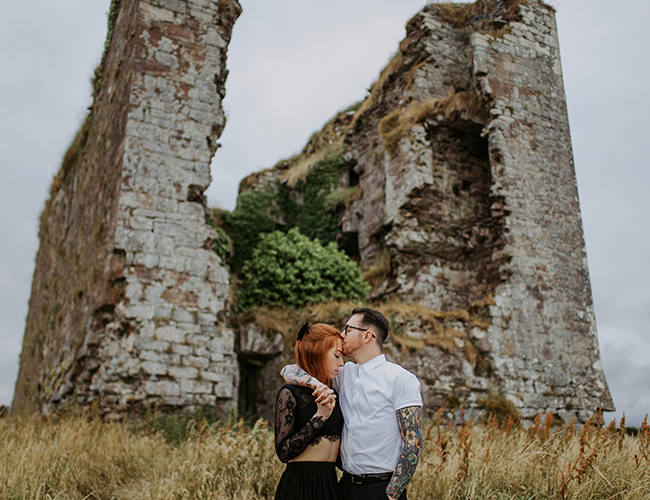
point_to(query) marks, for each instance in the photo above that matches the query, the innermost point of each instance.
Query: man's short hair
(375, 319)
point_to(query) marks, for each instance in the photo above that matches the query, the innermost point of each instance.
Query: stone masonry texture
(462, 155)
(129, 301)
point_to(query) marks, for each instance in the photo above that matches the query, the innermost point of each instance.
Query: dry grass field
(77, 457)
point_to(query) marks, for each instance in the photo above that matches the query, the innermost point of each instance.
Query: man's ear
(369, 336)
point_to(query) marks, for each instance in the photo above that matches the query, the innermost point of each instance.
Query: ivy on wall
(307, 206)
(256, 214)
(283, 241)
(315, 217)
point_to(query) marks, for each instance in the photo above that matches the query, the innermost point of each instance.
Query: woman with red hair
(308, 434)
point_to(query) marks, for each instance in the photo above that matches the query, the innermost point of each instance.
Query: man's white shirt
(369, 396)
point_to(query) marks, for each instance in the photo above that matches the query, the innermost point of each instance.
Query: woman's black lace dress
(296, 427)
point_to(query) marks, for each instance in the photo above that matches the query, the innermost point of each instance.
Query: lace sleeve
(289, 441)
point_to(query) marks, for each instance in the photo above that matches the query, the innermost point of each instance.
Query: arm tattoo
(294, 375)
(410, 425)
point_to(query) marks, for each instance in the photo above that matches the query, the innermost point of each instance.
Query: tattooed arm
(295, 375)
(410, 425)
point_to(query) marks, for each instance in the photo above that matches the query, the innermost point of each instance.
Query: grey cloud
(628, 382)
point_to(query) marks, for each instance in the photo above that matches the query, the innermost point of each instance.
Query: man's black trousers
(370, 491)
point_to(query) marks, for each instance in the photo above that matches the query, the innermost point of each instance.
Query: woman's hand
(323, 394)
(324, 410)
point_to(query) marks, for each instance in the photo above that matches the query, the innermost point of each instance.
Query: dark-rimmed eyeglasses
(347, 327)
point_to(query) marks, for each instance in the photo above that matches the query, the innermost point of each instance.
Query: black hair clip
(303, 330)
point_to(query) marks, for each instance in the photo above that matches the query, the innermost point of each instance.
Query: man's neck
(363, 356)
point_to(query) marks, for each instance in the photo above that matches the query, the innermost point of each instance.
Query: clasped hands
(325, 396)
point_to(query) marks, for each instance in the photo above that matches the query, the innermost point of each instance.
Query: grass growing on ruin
(81, 458)
(435, 328)
(485, 16)
(99, 71)
(299, 171)
(462, 105)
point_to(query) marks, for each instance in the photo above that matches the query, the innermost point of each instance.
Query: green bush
(252, 218)
(275, 207)
(292, 270)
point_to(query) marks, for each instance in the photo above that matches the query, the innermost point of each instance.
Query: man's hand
(295, 375)
(410, 426)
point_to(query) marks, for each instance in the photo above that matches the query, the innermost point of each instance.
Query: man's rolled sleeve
(406, 391)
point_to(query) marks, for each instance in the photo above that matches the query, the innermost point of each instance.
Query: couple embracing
(365, 417)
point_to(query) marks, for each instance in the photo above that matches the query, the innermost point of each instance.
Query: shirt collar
(373, 363)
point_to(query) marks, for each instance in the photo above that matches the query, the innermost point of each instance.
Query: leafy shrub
(275, 207)
(311, 205)
(252, 218)
(292, 270)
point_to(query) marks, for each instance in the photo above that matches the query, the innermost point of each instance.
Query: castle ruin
(459, 184)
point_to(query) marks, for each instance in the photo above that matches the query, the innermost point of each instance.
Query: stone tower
(465, 192)
(129, 299)
(481, 204)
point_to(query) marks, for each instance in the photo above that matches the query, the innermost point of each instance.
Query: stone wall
(467, 197)
(129, 300)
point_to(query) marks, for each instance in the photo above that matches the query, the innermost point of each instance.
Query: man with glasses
(382, 409)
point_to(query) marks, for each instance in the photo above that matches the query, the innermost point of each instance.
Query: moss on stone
(98, 75)
(316, 218)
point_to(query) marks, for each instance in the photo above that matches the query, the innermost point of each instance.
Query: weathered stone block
(224, 389)
(196, 386)
(162, 388)
(183, 372)
(196, 361)
(170, 333)
(181, 349)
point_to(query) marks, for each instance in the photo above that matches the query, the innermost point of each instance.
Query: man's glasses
(347, 327)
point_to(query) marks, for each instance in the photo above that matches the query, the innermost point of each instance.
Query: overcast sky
(293, 64)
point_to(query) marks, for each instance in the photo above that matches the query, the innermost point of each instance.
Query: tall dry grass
(81, 458)
(494, 462)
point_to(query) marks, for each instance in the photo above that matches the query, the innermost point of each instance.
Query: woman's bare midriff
(323, 451)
